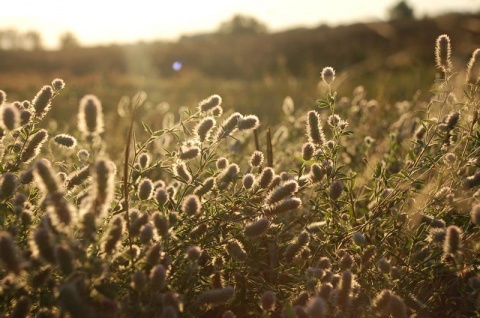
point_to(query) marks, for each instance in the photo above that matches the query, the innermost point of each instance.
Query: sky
(108, 21)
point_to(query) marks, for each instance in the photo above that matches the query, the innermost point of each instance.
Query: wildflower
(161, 196)
(235, 249)
(158, 276)
(328, 75)
(83, 155)
(307, 151)
(146, 234)
(114, 235)
(58, 84)
(217, 296)
(145, 189)
(359, 239)
(188, 153)
(248, 180)
(204, 128)
(336, 190)
(194, 253)
(297, 244)
(144, 160)
(229, 125)
(473, 68)
(161, 224)
(315, 132)
(90, 117)
(45, 178)
(205, 187)
(9, 117)
(286, 205)
(334, 120)
(384, 266)
(78, 177)
(43, 243)
(282, 191)
(248, 122)
(265, 178)
(41, 102)
(103, 186)
(452, 120)
(443, 53)
(64, 258)
(25, 116)
(209, 103)
(9, 254)
(65, 140)
(229, 174)
(222, 163)
(34, 145)
(8, 185)
(191, 205)
(256, 160)
(475, 214)
(257, 227)
(139, 280)
(453, 240)
(268, 300)
(288, 106)
(346, 282)
(182, 172)
(316, 172)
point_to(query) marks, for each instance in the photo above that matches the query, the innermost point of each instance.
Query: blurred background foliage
(251, 68)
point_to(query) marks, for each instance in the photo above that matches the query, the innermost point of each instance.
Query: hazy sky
(107, 21)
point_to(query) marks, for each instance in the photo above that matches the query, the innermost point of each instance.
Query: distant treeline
(365, 47)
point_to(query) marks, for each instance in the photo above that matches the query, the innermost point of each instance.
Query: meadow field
(310, 176)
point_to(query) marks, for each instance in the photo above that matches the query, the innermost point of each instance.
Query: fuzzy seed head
(45, 177)
(384, 266)
(256, 160)
(248, 122)
(9, 254)
(328, 75)
(268, 300)
(8, 184)
(182, 172)
(161, 196)
(58, 84)
(103, 185)
(114, 236)
(209, 103)
(217, 297)
(34, 145)
(205, 187)
(443, 53)
(475, 214)
(139, 280)
(90, 116)
(286, 205)
(194, 253)
(191, 205)
(145, 189)
(381, 303)
(41, 102)
(359, 239)
(204, 128)
(308, 150)
(316, 172)
(146, 233)
(473, 68)
(78, 177)
(144, 160)
(229, 174)
(248, 180)
(336, 190)
(265, 178)
(282, 191)
(9, 117)
(257, 227)
(65, 140)
(236, 251)
(64, 257)
(229, 125)
(314, 128)
(397, 307)
(158, 276)
(452, 120)
(453, 240)
(188, 153)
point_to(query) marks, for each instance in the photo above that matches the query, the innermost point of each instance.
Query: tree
(241, 24)
(401, 11)
(33, 40)
(68, 40)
